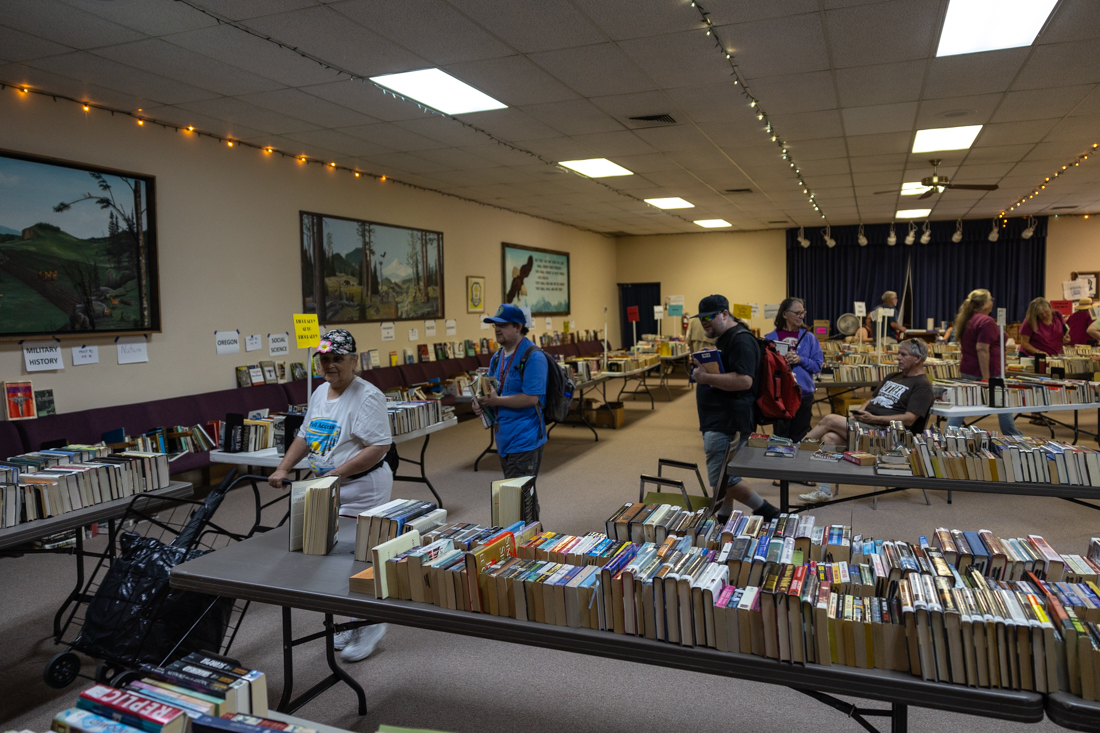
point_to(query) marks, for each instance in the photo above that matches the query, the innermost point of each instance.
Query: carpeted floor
(453, 683)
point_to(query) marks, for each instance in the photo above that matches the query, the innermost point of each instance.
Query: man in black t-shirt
(725, 401)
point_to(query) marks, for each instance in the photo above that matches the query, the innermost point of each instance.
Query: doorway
(644, 296)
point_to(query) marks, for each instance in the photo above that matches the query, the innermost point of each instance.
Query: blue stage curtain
(943, 272)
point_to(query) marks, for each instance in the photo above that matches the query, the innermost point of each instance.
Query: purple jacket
(812, 359)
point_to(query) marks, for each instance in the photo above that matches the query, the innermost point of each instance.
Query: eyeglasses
(708, 319)
(331, 358)
(796, 314)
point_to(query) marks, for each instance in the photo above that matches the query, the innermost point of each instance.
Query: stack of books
(1021, 392)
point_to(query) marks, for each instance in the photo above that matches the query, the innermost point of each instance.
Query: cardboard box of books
(612, 416)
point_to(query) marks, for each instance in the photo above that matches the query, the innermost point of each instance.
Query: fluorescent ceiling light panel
(596, 168)
(913, 213)
(439, 90)
(713, 223)
(945, 138)
(671, 203)
(913, 188)
(972, 26)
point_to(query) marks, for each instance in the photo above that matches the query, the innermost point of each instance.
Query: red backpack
(777, 393)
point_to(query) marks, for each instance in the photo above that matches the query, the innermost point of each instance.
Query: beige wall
(746, 267)
(229, 249)
(1073, 245)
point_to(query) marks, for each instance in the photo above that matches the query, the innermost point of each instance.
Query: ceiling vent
(738, 190)
(781, 221)
(653, 120)
(1061, 208)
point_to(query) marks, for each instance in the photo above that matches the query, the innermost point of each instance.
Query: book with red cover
(133, 710)
(859, 458)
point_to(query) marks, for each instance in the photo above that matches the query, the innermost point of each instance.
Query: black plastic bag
(135, 617)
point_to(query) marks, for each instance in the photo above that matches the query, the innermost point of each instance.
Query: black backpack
(559, 387)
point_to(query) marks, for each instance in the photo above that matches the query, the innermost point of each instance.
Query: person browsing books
(905, 396)
(516, 405)
(979, 339)
(1043, 331)
(725, 400)
(345, 433)
(802, 351)
(895, 329)
(1078, 324)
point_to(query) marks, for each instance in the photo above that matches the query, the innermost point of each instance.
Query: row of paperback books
(570, 337)
(48, 483)
(876, 372)
(1005, 458)
(405, 417)
(1020, 392)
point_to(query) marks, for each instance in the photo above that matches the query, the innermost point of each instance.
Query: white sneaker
(816, 496)
(361, 646)
(342, 638)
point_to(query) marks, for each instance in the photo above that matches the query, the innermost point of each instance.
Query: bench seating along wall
(88, 426)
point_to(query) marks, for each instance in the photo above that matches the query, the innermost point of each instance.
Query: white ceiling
(845, 82)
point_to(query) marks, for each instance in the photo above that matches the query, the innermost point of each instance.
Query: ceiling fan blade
(879, 193)
(974, 186)
(927, 193)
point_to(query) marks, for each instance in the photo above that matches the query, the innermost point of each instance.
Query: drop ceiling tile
(981, 172)
(841, 180)
(878, 163)
(797, 126)
(64, 24)
(795, 93)
(833, 147)
(339, 142)
(1037, 104)
(880, 118)
(680, 137)
(440, 34)
(736, 134)
(778, 46)
(410, 162)
(327, 34)
(212, 125)
(37, 78)
(296, 147)
(957, 111)
(1061, 150)
(671, 178)
(610, 144)
(623, 19)
(19, 46)
(573, 117)
(500, 154)
(678, 59)
(153, 19)
(513, 80)
(96, 70)
(573, 66)
(828, 166)
(393, 137)
(231, 46)
(305, 106)
(973, 73)
(1072, 22)
(1035, 172)
(510, 125)
(367, 99)
(236, 111)
(863, 86)
(1011, 133)
(1061, 64)
(560, 148)
(236, 10)
(901, 30)
(534, 26)
(444, 130)
(1083, 130)
(998, 153)
(183, 65)
(885, 144)
(647, 163)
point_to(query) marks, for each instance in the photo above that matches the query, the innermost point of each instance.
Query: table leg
(488, 450)
(423, 478)
(645, 386)
(1076, 428)
(336, 673)
(75, 593)
(330, 657)
(288, 662)
(899, 718)
(784, 495)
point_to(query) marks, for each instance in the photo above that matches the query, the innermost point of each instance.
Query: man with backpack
(726, 400)
(520, 397)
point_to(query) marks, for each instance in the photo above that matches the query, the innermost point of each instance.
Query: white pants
(366, 492)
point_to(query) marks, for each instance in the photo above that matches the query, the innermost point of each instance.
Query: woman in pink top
(979, 339)
(1043, 331)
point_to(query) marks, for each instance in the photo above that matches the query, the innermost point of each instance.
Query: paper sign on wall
(278, 344)
(414, 334)
(41, 356)
(228, 342)
(85, 355)
(131, 349)
(549, 323)
(253, 342)
(1002, 317)
(675, 300)
(429, 329)
(389, 332)
(632, 314)
(484, 326)
(658, 312)
(1075, 289)
(675, 310)
(565, 327)
(742, 311)
(307, 332)
(452, 327)
(771, 310)
(755, 309)
(861, 308)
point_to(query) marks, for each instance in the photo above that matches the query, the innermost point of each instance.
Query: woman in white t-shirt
(346, 433)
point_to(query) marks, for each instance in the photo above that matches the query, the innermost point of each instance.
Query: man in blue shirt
(519, 427)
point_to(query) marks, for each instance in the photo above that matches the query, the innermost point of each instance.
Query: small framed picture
(19, 400)
(475, 294)
(1090, 279)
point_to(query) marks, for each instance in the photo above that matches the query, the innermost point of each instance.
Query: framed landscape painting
(536, 278)
(356, 271)
(77, 249)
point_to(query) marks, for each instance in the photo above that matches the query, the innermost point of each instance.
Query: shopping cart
(128, 615)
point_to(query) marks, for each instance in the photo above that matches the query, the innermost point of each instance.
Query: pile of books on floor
(971, 609)
(1020, 392)
(201, 693)
(47, 483)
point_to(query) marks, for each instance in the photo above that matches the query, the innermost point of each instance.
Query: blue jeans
(1006, 420)
(714, 445)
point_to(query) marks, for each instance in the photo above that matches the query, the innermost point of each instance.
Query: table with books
(637, 375)
(668, 368)
(942, 411)
(260, 569)
(270, 458)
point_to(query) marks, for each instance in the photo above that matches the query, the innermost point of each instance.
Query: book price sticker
(429, 329)
(1002, 317)
(85, 355)
(414, 334)
(278, 344)
(861, 308)
(742, 311)
(452, 326)
(41, 356)
(307, 332)
(227, 342)
(389, 332)
(253, 342)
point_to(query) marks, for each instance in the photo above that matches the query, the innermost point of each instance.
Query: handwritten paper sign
(429, 329)
(1002, 317)
(771, 310)
(307, 332)
(414, 334)
(85, 355)
(389, 331)
(861, 308)
(228, 342)
(742, 311)
(452, 326)
(278, 344)
(549, 323)
(41, 356)
(632, 314)
(658, 312)
(131, 349)
(253, 342)
(756, 310)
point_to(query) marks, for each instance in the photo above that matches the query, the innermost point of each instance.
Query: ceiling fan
(937, 183)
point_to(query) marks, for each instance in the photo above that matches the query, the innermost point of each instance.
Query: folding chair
(686, 500)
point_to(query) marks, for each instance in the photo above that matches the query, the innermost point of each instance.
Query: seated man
(905, 395)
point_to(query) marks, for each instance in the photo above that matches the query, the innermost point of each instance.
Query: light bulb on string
(861, 238)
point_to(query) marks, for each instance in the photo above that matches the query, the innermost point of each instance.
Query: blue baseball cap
(507, 314)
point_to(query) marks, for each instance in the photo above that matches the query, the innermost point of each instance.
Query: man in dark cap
(725, 400)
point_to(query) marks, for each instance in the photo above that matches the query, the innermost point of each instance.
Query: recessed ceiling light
(596, 168)
(972, 26)
(713, 223)
(671, 203)
(945, 138)
(912, 213)
(439, 90)
(913, 188)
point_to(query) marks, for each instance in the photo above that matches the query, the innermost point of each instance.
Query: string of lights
(1075, 163)
(352, 76)
(754, 104)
